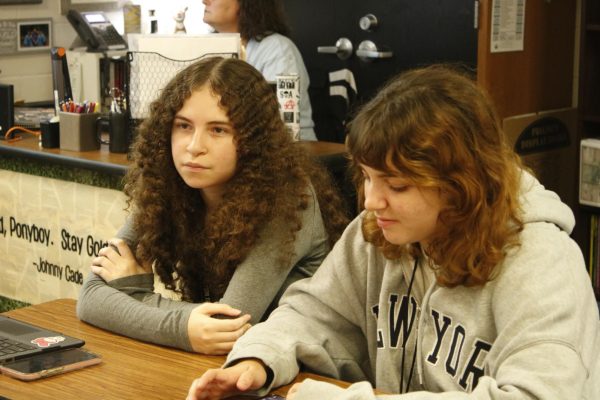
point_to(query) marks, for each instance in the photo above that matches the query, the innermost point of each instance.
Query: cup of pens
(78, 126)
(113, 129)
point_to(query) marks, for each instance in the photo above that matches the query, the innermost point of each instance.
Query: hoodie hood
(537, 205)
(541, 205)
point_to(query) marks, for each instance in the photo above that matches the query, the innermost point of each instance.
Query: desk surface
(130, 369)
(113, 163)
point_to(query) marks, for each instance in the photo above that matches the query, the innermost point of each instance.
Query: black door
(411, 32)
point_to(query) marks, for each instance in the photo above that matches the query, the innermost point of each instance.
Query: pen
(79, 108)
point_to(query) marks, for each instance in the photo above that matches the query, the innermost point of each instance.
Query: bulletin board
(25, 35)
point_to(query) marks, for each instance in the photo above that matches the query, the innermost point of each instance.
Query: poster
(50, 230)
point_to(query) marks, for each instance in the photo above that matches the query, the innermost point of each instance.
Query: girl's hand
(250, 374)
(210, 335)
(116, 261)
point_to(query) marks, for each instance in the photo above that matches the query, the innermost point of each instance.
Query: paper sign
(508, 25)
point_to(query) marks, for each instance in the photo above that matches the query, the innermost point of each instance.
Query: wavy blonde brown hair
(436, 127)
(261, 18)
(193, 252)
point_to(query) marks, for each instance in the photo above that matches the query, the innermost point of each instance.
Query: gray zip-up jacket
(129, 306)
(533, 332)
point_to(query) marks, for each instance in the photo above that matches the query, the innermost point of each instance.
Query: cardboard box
(546, 142)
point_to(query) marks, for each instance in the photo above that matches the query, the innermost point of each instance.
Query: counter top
(130, 369)
(98, 160)
(114, 163)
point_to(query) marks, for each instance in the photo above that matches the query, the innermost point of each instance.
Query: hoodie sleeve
(312, 389)
(319, 322)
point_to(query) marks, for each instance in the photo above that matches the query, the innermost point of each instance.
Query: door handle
(343, 48)
(367, 51)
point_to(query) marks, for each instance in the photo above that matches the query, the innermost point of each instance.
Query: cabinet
(588, 218)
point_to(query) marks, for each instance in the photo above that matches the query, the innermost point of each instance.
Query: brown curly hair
(260, 18)
(190, 250)
(439, 129)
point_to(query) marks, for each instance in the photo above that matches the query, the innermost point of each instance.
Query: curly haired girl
(226, 211)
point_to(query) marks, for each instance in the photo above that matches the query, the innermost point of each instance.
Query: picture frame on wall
(34, 35)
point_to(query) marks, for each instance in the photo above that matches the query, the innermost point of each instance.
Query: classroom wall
(31, 73)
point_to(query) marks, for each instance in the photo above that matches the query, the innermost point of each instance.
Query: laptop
(21, 339)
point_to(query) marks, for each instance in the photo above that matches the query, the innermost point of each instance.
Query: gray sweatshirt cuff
(284, 369)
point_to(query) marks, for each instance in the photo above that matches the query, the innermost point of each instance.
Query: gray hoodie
(533, 332)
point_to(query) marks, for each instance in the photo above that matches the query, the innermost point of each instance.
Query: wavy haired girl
(458, 281)
(225, 210)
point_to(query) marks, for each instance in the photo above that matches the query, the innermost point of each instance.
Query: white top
(275, 55)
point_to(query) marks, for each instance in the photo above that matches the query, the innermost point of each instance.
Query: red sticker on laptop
(47, 341)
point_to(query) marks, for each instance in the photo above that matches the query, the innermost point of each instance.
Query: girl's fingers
(211, 309)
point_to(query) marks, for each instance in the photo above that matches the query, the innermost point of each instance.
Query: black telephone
(96, 31)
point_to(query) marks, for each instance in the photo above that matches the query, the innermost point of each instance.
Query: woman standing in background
(264, 32)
